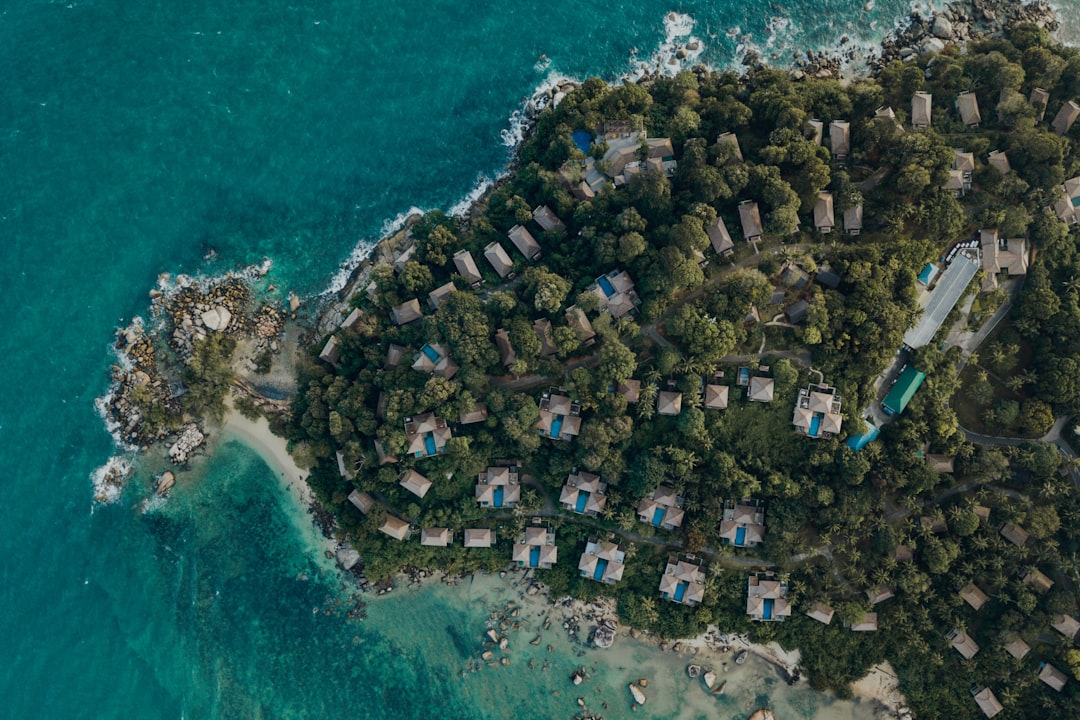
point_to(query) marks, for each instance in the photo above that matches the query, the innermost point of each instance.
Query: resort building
(743, 523)
(716, 396)
(384, 457)
(939, 463)
(434, 359)
(436, 296)
(999, 161)
(499, 260)
(343, 469)
(814, 131)
(884, 112)
(964, 163)
(578, 321)
(524, 242)
(621, 162)
(761, 389)
(466, 267)
(536, 549)
(415, 483)
(937, 305)
(936, 525)
(583, 493)
(548, 220)
(880, 594)
(853, 220)
(1052, 676)
(1014, 534)
(406, 312)
(662, 508)
(683, 581)
(542, 328)
(331, 352)
(426, 435)
(351, 321)
(1065, 118)
(840, 140)
(973, 596)
(668, 402)
(560, 417)
(720, 238)
(506, 348)
(616, 293)
(1068, 208)
(478, 414)
(394, 355)
(766, 598)
(479, 538)
(963, 643)
(498, 487)
(955, 183)
(362, 501)
(395, 527)
(817, 412)
(968, 107)
(630, 390)
(1001, 256)
(1067, 625)
(821, 612)
(1038, 580)
(824, 217)
(436, 537)
(1039, 98)
(602, 561)
(867, 623)
(750, 218)
(987, 701)
(730, 138)
(921, 106)
(1018, 649)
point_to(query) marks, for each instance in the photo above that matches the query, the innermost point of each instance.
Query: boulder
(942, 27)
(216, 318)
(347, 558)
(933, 45)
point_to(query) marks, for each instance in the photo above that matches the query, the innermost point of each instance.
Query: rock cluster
(196, 311)
(190, 439)
(962, 22)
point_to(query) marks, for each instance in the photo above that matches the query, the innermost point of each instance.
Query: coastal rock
(190, 439)
(165, 482)
(294, 303)
(942, 27)
(763, 714)
(347, 558)
(933, 45)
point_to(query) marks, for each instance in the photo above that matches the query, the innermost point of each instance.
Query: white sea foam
(152, 503)
(482, 185)
(108, 479)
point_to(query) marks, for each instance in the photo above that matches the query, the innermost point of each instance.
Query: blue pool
(583, 140)
(605, 285)
(429, 444)
(744, 375)
(858, 442)
(767, 612)
(582, 499)
(658, 516)
(430, 352)
(1076, 202)
(498, 501)
(815, 425)
(928, 273)
(680, 591)
(556, 426)
(601, 568)
(534, 556)
(740, 536)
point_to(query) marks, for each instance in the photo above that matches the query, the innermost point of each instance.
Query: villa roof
(824, 218)
(968, 106)
(761, 389)
(331, 352)
(754, 532)
(542, 328)
(436, 537)
(479, 538)
(750, 217)
(840, 137)
(1065, 118)
(629, 389)
(361, 500)
(963, 161)
(1014, 534)
(1067, 625)
(466, 266)
(669, 403)
(381, 453)
(478, 413)
(579, 323)
(1038, 580)
(498, 258)
(406, 312)
(988, 702)
(506, 349)
(940, 463)
(1018, 649)
(352, 320)
(716, 396)
(880, 594)
(681, 571)
(760, 589)
(436, 296)
(885, 112)
(868, 623)
(549, 554)
(612, 556)
(720, 237)
(395, 527)
(921, 107)
(1053, 677)
(822, 613)
(535, 536)
(394, 355)
(815, 129)
(730, 138)
(1000, 162)
(524, 242)
(955, 181)
(853, 219)
(548, 220)
(1039, 97)
(795, 313)
(963, 644)
(973, 596)
(485, 494)
(415, 483)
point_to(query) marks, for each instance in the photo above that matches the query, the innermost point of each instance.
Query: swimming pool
(498, 499)
(429, 444)
(601, 568)
(767, 612)
(740, 536)
(556, 426)
(583, 140)
(430, 352)
(658, 517)
(815, 425)
(582, 500)
(680, 591)
(744, 375)
(605, 285)
(534, 556)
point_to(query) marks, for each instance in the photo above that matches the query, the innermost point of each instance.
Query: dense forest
(843, 526)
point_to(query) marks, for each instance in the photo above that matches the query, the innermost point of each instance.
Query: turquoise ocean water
(135, 136)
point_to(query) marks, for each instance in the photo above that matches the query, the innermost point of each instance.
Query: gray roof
(950, 287)
(720, 237)
(968, 106)
(840, 137)
(853, 218)
(466, 266)
(498, 258)
(921, 107)
(750, 217)
(1065, 118)
(824, 217)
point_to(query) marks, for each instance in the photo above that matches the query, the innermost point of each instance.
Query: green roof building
(898, 398)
